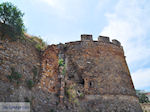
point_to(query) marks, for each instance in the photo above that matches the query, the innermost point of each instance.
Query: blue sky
(65, 20)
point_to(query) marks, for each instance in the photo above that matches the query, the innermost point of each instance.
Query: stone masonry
(97, 78)
(80, 76)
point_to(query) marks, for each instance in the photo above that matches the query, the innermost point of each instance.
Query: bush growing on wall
(15, 76)
(30, 84)
(61, 62)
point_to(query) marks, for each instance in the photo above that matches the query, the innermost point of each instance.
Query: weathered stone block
(103, 39)
(116, 42)
(86, 37)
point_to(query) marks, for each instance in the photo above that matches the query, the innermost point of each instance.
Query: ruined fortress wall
(99, 67)
(23, 57)
(97, 70)
(26, 60)
(96, 76)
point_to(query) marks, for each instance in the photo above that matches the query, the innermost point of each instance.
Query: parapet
(116, 42)
(103, 39)
(86, 37)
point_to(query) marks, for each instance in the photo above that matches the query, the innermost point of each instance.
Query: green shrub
(10, 77)
(142, 97)
(14, 75)
(39, 47)
(40, 44)
(61, 62)
(30, 84)
(72, 94)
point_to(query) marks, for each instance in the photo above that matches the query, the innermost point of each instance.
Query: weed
(30, 84)
(14, 76)
(61, 62)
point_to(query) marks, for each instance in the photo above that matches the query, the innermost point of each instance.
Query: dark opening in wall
(53, 88)
(91, 84)
(82, 81)
(78, 91)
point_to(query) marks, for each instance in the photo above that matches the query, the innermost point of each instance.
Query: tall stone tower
(94, 76)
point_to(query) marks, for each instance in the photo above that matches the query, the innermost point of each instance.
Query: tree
(11, 20)
(142, 97)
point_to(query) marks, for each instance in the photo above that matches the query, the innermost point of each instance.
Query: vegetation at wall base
(142, 97)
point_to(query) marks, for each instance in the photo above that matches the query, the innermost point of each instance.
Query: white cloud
(130, 24)
(141, 78)
(68, 9)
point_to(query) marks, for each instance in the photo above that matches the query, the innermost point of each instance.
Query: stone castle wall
(95, 70)
(21, 56)
(99, 66)
(25, 59)
(94, 76)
